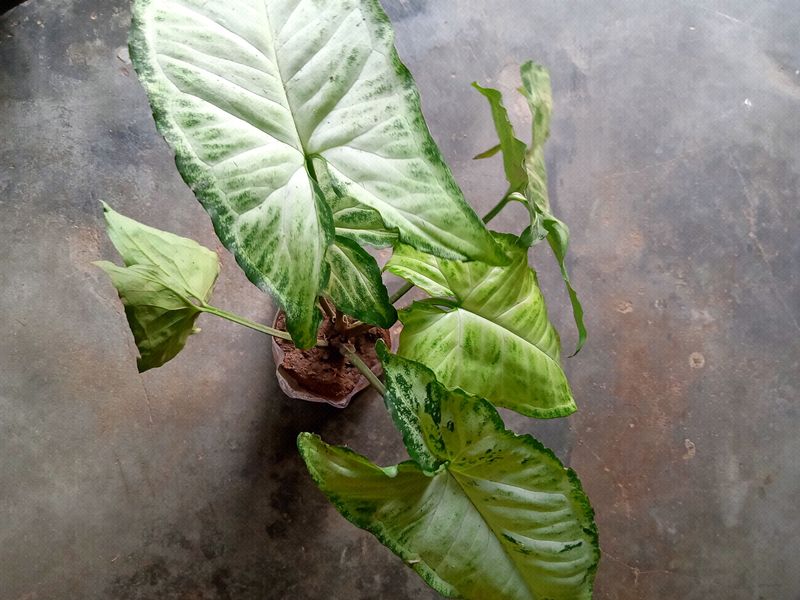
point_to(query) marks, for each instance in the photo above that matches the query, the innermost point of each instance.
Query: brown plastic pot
(294, 389)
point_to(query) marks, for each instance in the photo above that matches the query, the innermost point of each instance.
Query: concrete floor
(674, 158)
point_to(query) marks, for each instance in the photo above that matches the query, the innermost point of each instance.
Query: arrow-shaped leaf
(165, 280)
(251, 93)
(497, 319)
(499, 518)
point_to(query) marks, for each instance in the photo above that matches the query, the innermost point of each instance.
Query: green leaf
(249, 92)
(488, 153)
(352, 219)
(419, 268)
(499, 518)
(165, 282)
(558, 238)
(355, 284)
(495, 340)
(512, 148)
(537, 91)
(526, 172)
(414, 397)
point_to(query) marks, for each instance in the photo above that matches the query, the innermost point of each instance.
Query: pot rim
(293, 389)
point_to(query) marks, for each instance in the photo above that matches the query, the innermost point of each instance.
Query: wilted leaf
(165, 281)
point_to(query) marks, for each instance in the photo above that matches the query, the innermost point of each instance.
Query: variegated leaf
(249, 92)
(355, 285)
(498, 517)
(497, 318)
(352, 219)
(361, 224)
(419, 268)
(536, 89)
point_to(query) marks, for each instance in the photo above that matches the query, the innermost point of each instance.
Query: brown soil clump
(323, 370)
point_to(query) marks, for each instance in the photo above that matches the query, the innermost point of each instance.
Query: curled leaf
(164, 284)
(526, 173)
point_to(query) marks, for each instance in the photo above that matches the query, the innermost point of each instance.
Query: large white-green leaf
(492, 338)
(526, 172)
(499, 518)
(355, 284)
(248, 92)
(165, 282)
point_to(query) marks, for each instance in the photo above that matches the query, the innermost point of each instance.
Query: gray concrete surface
(675, 159)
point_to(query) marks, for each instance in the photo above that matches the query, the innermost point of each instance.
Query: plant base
(322, 373)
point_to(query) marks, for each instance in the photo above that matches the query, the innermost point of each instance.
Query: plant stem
(357, 329)
(328, 309)
(351, 355)
(497, 208)
(251, 324)
(406, 287)
(359, 364)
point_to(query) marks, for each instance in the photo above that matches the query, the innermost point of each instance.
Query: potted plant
(300, 131)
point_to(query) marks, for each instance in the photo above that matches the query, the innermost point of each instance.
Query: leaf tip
(142, 365)
(306, 440)
(309, 445)
(382, 350)
(579, 347)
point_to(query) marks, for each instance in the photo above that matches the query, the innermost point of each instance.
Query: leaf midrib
(274, 49)
(517, 567)
(271, 46)
(503, 328)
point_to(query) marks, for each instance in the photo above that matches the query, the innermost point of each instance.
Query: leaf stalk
(406, 287)
(402, 291)
(251, 324)
(497, 208)
(351, 355)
